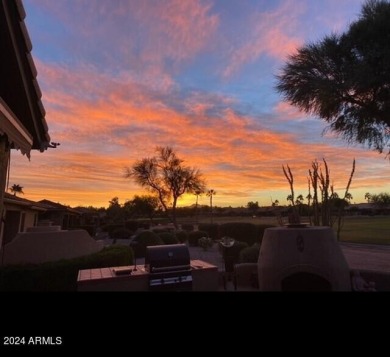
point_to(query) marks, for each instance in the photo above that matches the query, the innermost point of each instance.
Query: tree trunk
(174, 220)
(211, 208)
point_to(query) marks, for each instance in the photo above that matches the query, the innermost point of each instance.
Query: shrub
(193, 237)
(211, 228)
(243, 232)
(250, 254)
(235, 250)
(181, 236)
(121, 233)
(147, 222)
(144, 239)
(160, 230)
(132, 225)
(205, 243)
(260, 231)
(144, 225)
(61, 275)
(168, 238)
(110, 228)
(187, 227)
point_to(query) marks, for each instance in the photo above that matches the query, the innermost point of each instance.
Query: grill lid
(164, 258)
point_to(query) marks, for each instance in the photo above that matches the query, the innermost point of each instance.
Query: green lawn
(357, 229)
(365, 229)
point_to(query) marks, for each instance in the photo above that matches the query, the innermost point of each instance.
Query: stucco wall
(39, 247)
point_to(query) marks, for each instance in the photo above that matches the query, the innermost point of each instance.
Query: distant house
(59, 215)
(369, 209)
(90, 216)
(22, 115)
(19, 215)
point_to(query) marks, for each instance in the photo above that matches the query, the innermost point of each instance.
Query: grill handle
(174, 268)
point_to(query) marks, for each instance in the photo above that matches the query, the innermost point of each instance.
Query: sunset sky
(120, 77)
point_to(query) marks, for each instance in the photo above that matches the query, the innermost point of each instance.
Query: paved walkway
(367, 257)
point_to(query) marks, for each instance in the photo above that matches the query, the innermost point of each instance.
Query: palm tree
(197, 193)
(16, 189)
(348, 197)
(299, 200)
(210, 193)
(367, 196)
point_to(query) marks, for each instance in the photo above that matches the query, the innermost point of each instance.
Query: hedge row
(244, 232)
(194, 236)
(132, 225)
(144, 239)
(61, 275)
(211, 228)
(150, 238)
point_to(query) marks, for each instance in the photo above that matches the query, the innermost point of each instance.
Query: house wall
(60, 218)
(18, 220)
(30, 220)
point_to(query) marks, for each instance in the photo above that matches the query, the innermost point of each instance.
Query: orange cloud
(119, 122)
(107, 119)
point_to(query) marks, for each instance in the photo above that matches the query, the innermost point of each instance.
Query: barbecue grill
(169, 267)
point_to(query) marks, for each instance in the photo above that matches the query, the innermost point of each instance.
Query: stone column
(4, 157)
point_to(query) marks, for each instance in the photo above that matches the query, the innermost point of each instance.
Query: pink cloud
(287, 112)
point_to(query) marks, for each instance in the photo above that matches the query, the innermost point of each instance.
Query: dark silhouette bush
(187, 227)
(193, 237)
(211, 228)
(235, 250)
(61, 275)
(121, 233)
(181, 236)
(260, 231)
(168, 238)
(110, 228)
(132, 225)
(144, 239)
(161, 230)
(243, 232)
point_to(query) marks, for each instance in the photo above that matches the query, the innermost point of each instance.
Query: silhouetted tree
(115, 210)
(167, 177)
(15, 189)
(344, 79)
(381, 199)
(210, 193)
(253, 207)
(145, 205)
